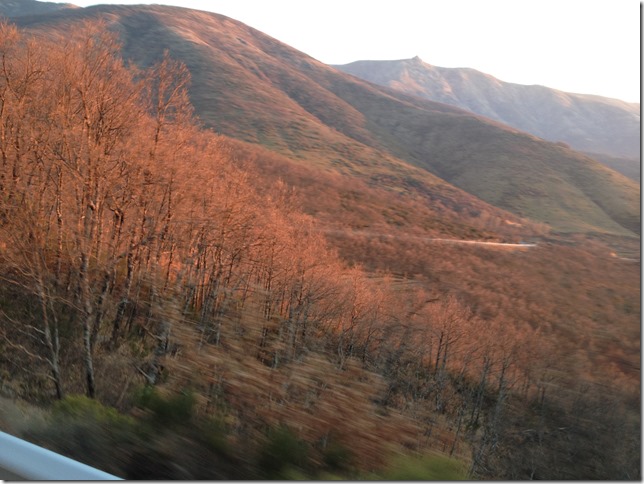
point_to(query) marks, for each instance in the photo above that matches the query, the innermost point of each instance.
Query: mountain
(252, 87)
(18, 8)
(587, 123)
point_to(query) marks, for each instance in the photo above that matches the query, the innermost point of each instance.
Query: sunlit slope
(252, 87)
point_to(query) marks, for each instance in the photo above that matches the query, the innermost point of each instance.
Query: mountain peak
(587, 123)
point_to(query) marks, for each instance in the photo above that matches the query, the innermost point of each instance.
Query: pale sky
(584, 46)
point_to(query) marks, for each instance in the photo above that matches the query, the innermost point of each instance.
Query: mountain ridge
(19, 8)
(586, 122)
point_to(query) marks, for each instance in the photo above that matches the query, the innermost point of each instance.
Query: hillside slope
(252, 87)
(168, 274)
(628, 167)
(585, 122)
(18, 8)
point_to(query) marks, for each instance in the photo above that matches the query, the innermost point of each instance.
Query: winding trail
(483, 243)
(522, 245)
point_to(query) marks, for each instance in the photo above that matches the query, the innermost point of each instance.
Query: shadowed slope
(17, 8)
(586, 122)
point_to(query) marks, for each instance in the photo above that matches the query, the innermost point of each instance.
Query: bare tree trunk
(100, 309)
(88, 361)
(162, 344)
(51, 341)
(123, 303)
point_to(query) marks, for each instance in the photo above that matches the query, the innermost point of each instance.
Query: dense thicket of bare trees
(133, 248)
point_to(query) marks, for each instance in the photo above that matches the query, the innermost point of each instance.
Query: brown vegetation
(145, 264)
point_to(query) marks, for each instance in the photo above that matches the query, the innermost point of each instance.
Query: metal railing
(21, 460)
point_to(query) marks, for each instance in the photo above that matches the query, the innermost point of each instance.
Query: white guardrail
(21, 460)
